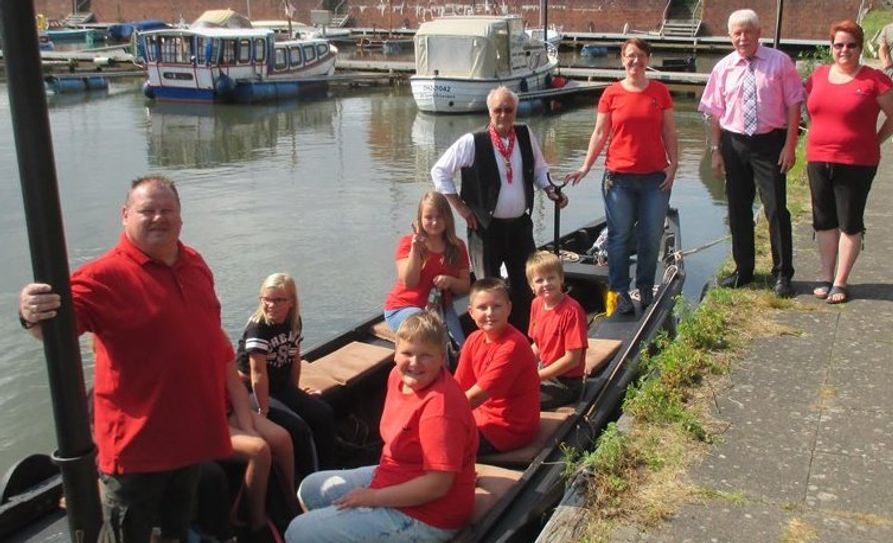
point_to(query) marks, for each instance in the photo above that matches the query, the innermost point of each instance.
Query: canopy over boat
(469, 47)
(221, 18)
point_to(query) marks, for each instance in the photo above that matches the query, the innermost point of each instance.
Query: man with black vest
(500, 166)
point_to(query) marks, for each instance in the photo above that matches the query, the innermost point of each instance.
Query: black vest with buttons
(481, 181)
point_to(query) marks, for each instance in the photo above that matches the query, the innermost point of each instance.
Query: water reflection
(205, 136)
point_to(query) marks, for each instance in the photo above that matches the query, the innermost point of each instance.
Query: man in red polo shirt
(161, 356)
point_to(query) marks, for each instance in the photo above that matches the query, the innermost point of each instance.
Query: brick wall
(802, 18)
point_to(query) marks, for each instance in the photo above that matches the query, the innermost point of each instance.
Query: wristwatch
(714, 148)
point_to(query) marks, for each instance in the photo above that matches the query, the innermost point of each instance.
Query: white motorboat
(553, 36)
(460, 59)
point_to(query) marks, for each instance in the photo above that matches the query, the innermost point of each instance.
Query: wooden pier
(407, 68)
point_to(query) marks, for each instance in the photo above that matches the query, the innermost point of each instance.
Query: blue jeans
(323, 522)
(634, 201)
(395, 317)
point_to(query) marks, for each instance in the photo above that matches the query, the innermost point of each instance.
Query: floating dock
(572, 72)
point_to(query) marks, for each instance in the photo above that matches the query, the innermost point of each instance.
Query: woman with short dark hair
(844, 101)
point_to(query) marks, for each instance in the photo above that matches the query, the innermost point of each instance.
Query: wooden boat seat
(600, 352)
(491, 485)
(550, 421)
(344, 366)
(317, 378)
(381, 330)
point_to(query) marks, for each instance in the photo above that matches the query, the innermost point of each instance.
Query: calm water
(319, 189)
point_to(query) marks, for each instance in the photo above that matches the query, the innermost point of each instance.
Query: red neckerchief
(505, 153)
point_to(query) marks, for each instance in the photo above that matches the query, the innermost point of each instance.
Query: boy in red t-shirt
(497, 371)
(423, 486)
(558, 330)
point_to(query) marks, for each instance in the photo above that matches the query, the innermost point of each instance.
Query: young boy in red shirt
(497, 371)
(423, 486)
(558, 330)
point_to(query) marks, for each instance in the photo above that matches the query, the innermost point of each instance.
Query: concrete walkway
(808, 456)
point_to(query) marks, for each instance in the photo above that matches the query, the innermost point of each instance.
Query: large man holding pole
(161, 356)
(753, 99)
(500, 167)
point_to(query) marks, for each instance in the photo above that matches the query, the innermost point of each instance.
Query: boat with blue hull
(232, 65)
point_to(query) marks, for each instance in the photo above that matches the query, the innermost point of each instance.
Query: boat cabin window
(244, 51)
(201, 51)
(309, 53)
(175, 49)
(280, 59)
(294, 54)
(151, 48)
(227, 52)
(260, 50)
(321, 50)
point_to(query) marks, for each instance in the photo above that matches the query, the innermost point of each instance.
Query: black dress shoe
(783, 288)
(737, 280)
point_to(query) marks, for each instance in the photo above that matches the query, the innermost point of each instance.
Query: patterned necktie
(750, 99)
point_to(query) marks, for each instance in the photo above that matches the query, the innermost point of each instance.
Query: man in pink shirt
(753, 99)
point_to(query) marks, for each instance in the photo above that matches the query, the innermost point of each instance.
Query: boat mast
(544, 19)
(49, 259)
(779, 9)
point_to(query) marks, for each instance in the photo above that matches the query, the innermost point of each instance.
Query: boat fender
(224, 86)
(103, 61)
(148, 91)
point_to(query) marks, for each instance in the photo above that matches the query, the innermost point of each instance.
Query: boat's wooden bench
(550, 421)
(491, 485)
(599, 352)
(381, 330)
(344, 366)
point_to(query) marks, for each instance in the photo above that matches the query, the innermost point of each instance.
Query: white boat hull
(458, 95)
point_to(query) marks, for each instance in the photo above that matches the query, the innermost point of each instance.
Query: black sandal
(822, 289)
(842, 295)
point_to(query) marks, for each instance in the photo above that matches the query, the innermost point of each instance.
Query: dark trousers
(133, 504)
(509, 242)
(560, 391)
(313, 433)
(751, 164)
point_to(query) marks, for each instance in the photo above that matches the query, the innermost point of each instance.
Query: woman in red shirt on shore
(843, 152)
(636, 116)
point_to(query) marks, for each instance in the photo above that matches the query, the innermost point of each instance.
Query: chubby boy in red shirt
(558, 330)
(497, 371)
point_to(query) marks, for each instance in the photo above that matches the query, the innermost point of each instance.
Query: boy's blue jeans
(323, 522)
(634, 201)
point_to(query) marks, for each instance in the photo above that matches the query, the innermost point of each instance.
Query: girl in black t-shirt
(269, 358)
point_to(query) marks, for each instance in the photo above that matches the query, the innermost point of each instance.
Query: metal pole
(544, 18)
(779, 9)
(37, 173)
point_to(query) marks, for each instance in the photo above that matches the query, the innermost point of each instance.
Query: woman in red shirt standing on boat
(843, 152)
(636, 116)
